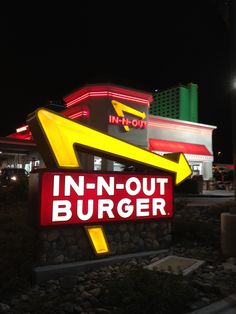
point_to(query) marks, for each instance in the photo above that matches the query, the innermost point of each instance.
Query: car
(11, 175)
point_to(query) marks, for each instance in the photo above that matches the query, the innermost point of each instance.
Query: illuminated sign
(98, 239)
(125, 122)
(88, 198)
(59, 138)
(85, 198)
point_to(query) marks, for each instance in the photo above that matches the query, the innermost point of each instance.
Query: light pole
(228, 220)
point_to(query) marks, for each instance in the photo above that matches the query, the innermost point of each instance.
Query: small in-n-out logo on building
(135, 123)
(120, 119)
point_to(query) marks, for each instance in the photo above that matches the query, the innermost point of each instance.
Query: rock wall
(71, 244)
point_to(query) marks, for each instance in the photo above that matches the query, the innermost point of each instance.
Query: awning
(172, 147)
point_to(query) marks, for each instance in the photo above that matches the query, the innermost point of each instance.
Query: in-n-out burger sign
(86, 198)
(83, 198)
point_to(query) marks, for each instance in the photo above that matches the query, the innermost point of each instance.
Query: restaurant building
(129, 115)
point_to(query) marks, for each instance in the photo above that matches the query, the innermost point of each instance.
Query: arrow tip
(183, 170)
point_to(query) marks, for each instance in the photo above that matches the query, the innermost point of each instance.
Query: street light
(234, 84)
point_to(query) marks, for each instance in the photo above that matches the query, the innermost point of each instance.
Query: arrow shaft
(57, 137)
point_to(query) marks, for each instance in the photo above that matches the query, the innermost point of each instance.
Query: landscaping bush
(150, 292)
(17, 240)
(16, 191)
(188, 232)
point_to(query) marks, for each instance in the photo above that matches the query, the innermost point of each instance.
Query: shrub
(145, 291)
(17, 241)
(186, 231)
(17, 191)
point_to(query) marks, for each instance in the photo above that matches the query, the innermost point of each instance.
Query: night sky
(48, 52)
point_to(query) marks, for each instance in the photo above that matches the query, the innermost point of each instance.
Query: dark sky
(47, 52)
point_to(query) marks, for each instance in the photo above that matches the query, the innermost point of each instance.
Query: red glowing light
(136, 123)
(106, 94)
(171, 146)
(22, 129)
(83, 113)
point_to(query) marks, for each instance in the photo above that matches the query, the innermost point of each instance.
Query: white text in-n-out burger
(76, 198)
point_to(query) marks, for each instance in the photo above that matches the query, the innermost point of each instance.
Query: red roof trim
(156, 121)
(144, 97)
(172, 147)
(12, 141)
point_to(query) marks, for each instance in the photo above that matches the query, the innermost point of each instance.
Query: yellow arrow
(121, 108)
(57, 137)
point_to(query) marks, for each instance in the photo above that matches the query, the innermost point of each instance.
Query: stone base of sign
(67, 244)
(43, 273)
(176, 265)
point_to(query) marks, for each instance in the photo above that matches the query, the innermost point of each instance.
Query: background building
(180, 102)
(167, 135)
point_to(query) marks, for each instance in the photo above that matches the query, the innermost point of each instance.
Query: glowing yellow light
(97, 238)
(121, 108)
(58, 137)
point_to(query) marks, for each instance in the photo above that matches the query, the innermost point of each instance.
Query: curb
(204, 195)
(44, 273)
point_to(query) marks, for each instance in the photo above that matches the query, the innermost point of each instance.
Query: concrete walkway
(209, 193)
(206, 198)
(218, 193)
(225, 306)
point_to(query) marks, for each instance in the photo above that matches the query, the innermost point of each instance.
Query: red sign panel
(83, 198)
